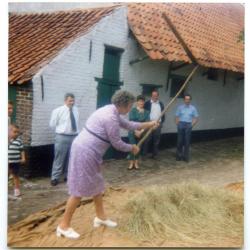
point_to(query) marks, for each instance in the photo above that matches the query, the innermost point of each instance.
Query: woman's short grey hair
(122, 98)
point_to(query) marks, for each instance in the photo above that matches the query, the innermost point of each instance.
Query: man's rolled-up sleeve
(53, 119)
(177, 113)
(195, 113)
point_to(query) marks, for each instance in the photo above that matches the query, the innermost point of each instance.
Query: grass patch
(187, 212)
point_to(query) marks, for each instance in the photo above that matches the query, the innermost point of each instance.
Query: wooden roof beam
(179, 66)
(140, 59)
(178, 36)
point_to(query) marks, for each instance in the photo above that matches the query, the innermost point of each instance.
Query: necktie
(72, 119)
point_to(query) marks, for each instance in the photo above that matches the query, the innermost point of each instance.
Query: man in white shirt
(155, 107)
(65, 121)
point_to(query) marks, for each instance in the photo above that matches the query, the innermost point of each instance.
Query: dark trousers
(154, 137)
(183, 140)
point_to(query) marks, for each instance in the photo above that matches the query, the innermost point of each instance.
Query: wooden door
(12, 97)
(109, 83)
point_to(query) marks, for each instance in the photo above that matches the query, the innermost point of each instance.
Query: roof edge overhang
(33, 70)
(189, 56)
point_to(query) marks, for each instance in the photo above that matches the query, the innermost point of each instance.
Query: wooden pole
(168, 106)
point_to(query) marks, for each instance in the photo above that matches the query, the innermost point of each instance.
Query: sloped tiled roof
(209, 30)
(35, 39)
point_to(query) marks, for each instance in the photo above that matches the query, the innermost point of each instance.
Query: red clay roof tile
(210, 31)
(35, 39)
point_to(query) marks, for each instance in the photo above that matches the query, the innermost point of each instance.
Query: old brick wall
(24, 103)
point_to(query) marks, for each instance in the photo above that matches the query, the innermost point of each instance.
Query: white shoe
(17, 192)
(69, 233)
(109, 223)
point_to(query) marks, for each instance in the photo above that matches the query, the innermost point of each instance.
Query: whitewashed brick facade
(71, 71)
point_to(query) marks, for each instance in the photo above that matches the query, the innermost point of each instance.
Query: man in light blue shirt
(186, 117)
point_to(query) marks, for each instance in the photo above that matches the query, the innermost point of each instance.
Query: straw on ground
(185, 212)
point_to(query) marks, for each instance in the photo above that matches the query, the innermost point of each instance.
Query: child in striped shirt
(16, 156)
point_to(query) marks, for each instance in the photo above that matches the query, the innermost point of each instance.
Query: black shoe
(153, 157)
(54, 182)
(65, 179)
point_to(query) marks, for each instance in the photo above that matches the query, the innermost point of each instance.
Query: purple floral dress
(84, 174)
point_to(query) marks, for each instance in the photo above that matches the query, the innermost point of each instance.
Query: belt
(67, 134)
(185, 122)
(98, 136)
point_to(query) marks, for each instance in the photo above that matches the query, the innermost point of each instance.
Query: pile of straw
(185, 213)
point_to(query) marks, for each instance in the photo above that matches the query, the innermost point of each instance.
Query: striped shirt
(14, 150)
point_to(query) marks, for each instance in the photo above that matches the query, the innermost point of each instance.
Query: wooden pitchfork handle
(168, 106)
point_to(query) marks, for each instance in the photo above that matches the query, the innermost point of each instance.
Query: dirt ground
(216, 163)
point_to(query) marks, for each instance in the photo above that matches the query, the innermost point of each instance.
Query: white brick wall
(218, 106)
(71, 71)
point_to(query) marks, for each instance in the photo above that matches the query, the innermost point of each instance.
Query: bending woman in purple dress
(84, 174)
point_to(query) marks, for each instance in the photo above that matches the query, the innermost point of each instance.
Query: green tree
(241, 37)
